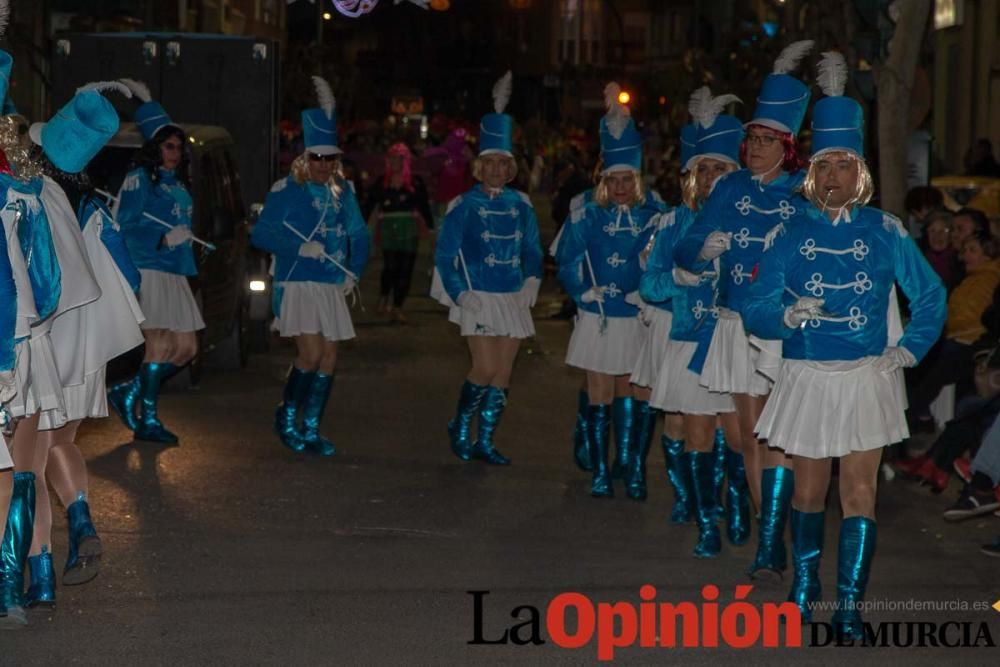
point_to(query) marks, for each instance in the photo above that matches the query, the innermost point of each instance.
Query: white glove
(646, 314)
(592, 295)
(803, 310)
(893, 358)
(8, 388)
(633, 298)
(685, 278)
(347, 286)
(470, 301)
(176, 236)
(311, 249)
(715, 244)
(529, 292)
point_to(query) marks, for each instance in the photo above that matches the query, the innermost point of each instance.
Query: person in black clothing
(403, 212)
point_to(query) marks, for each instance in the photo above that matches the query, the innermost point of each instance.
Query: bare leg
(66, 469)
(310, 352)
(812, 481)
(753, 450)
(859, 482)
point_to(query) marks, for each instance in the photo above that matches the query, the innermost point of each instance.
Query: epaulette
(453, 204)
(890, 222)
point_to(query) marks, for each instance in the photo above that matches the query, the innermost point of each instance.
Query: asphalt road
(230, 550)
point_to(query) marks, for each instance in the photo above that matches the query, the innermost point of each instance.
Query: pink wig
(399, 149)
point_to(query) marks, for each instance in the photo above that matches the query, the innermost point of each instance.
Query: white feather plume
(4, 16)
(138, 88)
(501, 92)
(617, 117)
(105, 86)
(324, 94)
(832, 77)
(704, 108)
(789, 58)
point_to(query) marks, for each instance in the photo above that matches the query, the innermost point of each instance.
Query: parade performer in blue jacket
(733, 227)
(599, 266)
(92, 325)
(488, 268)
(158, 187)
(678, 389)
(824, 288)
(312, 224)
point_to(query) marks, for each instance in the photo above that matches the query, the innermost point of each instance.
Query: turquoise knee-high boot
(460, 428)
(598, 421)
(42, 590)
(737, 499)
(807, 548)
(581, 440)
(286, 416)
(14, 548)
(679, 474)
(312, 414)
(776, 489)
(635, 474)
(149, 426)
(83, 560)
(623, 419)
(702, 466)
(490, 410)
(719, 448)
(854, 560)
(122, 398)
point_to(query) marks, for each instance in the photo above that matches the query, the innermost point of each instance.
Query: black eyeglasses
(316, 157)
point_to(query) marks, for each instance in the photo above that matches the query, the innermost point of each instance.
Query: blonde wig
(863, 194)
(300, 173)
(477, 168)
(603, 197)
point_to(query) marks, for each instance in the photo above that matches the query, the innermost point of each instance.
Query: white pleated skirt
(678, 389)
(654, 347)
(6, 462)
(615, 351)
(314, 308)
(167, 302)
(502, 314)
(88, 400)
(830, 409)
(731, 365)
(39, 388)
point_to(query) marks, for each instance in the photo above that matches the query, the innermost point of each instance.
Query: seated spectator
(965, 223)
(920, 202)
(966, 306)
(938, 249)
(979, 495)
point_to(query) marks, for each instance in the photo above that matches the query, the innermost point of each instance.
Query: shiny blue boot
(776, 496)
(122, 398)
(679, 474)
(317, 394)
(83, 562)
(14, 549)
(581, 443)
(854, 560)
(490, 411)
(42, 591)
(623, 418)
(635, 475)
(737, 499)
(286, 416)
(807, 547)
(149, 427)
(460, 428)
(598, 423)
(719, 448)
(702, 467)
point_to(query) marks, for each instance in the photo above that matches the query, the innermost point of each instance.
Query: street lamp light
(624, 97)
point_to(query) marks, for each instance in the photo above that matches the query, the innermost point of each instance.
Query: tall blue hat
(150, 117)
(837, 121)
(81, 128)
(689, 137)
(496, 130)
(621, 143)
(319, 125)
(782, 102)
(719, 135)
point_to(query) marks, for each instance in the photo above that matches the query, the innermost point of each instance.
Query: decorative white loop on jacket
(512, 212)
(491, 260)
(699, 310)
(785, 210)
(516, 236)
(615, 260)
(860, 284)
(859, 250)
(738, 275)
(633, 229)
(743, 238)
(855, 319)
(613, 291)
